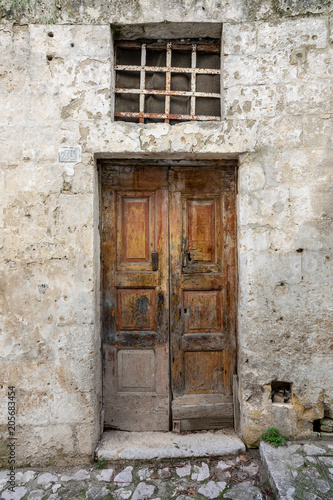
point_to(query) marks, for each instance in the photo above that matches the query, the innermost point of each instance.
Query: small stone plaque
(69, 155)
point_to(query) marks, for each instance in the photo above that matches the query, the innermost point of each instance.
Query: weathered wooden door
(202, 248)
(135, 265)
(150, 215)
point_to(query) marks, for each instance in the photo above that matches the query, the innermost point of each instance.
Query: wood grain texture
(134, 220)
(141, 205)
(203, 287)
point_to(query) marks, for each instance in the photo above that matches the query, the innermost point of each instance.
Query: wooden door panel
(202, 229)
(202, 311)
(200, 217)
(135, 309)
(135, 297)
(140, 206)
(135, 230)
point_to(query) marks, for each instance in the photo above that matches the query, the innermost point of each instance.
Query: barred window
(167, 81)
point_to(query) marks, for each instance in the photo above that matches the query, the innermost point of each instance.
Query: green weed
(274, 437)
(101, 463)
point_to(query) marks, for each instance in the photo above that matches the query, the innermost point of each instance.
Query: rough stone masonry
(56, 91)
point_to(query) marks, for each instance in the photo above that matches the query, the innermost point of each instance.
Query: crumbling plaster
(56, 91)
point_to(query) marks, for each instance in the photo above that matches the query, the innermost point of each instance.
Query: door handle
(154, 259)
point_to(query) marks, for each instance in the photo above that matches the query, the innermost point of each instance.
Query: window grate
(182, 85)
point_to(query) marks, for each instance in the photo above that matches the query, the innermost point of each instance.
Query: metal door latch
(154, 258)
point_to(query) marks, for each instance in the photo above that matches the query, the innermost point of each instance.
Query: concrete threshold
(121, 445)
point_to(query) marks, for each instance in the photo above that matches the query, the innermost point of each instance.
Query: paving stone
(47, 478)
(223, 476)
(25, 476)
(212, 489)
(17, 494)
(94, 493)
(311, 449)
(53, 496)
(143, 491)
(200, 473)
(105, 475)
(164, 473)
(311, 472)
(144, 473)
(295, 460)
(321, 485)
(36, 494)
(55, 487)
(124, 477)
(244, 491)
(80, 475)
(184, 497)
(310, 496)
(251, 469)
(3, 477)
(183, 471)
(327, 460)
(222, 465)
(122, 494)
(71, 491)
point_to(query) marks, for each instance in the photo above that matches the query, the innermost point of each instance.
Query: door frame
(123, 160)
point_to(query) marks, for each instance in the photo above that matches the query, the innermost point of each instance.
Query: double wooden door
(168, 244)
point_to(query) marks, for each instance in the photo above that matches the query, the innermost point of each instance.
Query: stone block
(307, 32)
(251, 102)
(319, 65)
(314, 235)
(326, 425)
(259, 69)
(306, 98)
(280, 132)
(284, 418)
(266, 207)
(306, 166)
(239, 38)
(318, 131)
(274, 268)
(89, 40)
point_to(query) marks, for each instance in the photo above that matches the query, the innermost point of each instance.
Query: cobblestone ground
(235, 478)
(301, 471)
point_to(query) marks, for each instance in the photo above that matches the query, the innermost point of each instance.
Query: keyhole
(185, 310)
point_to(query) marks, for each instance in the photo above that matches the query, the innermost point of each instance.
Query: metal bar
(193, 77)
(163, 116)
(164, 69)
(168, 70)
(168, 81)
(184, 93)
(211, 48)
(142, 80)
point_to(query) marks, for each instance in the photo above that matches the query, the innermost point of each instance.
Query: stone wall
(55, 90)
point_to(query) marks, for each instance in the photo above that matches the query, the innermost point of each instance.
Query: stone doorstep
(122, 445)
